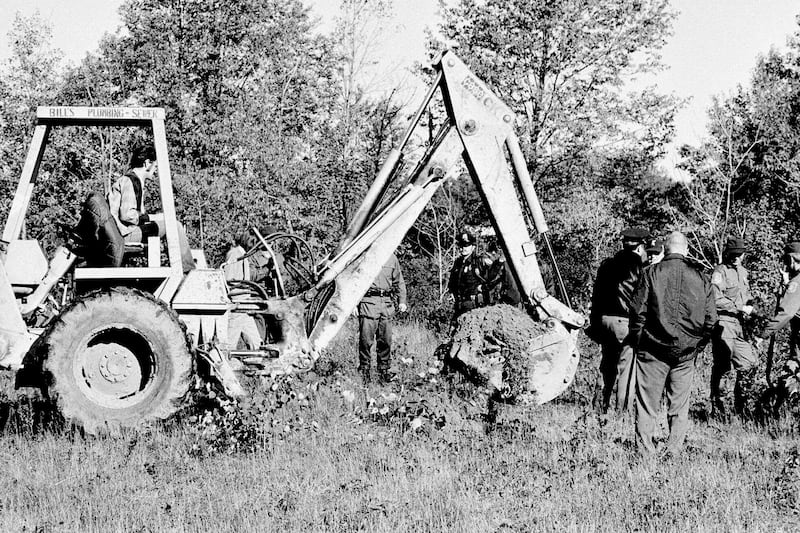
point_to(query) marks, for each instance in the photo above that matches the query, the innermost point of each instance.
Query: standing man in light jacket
(672, 318)
(730, 348)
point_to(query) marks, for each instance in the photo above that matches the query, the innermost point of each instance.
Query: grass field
(410, 457)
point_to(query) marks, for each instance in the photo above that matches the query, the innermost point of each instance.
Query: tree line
(271, 121)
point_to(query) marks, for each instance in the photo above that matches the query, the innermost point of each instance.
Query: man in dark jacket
(617, 278)
(672, 318)
(468, 277)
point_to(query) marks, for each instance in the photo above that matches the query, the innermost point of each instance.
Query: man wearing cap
(731, 350)
(375, 313)
(617, 279)
(655, 252)
(468, 277)
(672, 318)
(789, 306)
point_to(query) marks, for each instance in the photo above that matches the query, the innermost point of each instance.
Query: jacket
(617, 279)
(731, 291)
(377, 302)
(788, 313)
(673, 311)
(469, 276)
(126, 201)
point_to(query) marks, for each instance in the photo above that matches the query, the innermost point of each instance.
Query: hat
(734, 245)
(465, 239)
(656, 247)
(635, 234)
(792, 248)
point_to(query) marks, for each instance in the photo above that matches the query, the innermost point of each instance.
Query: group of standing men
(653, 314)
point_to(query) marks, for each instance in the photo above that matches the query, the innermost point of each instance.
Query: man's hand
(402, 308)
(759, 342)
(747, 309)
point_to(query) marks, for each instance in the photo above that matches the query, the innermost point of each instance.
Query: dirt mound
(492, 345)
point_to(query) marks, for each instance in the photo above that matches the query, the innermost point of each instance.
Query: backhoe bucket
(493, 346)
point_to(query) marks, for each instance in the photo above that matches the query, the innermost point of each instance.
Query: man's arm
(399, 282)
(719, 283)
(788, 307)
(711, 318)
(639, 310)
(452, 282)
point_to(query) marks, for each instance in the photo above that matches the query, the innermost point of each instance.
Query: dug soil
(488, 339)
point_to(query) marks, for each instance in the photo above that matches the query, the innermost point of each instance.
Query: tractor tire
(117, 359)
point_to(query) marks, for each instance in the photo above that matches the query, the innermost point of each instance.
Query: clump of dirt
(491, 345)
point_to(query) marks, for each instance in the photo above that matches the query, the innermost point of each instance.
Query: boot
(385, 377)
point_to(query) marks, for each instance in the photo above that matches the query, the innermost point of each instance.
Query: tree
(244, 84)
(566, 69)
(562, 67)
(31, 77)
(746, 174)
(28, 78)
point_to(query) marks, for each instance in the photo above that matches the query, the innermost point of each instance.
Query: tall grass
(349, 466)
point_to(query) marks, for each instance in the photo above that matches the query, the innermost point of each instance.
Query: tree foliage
(566, 69)
(745, 177)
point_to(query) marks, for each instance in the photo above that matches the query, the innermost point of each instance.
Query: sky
(714, 46)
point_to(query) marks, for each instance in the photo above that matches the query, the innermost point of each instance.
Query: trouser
(159, 228)
(616, 364)
(731, 351)
(653, 375)
(378, 331)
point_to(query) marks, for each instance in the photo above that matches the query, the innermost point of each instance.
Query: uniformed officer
(375, 313)
(731, 350)
(617, 279)
(789, 306)
(468, 277)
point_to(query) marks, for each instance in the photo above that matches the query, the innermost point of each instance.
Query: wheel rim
(117, 367)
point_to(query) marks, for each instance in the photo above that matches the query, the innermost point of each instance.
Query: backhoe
(116, 346)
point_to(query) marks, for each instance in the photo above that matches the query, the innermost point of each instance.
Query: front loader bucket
(15, 340)
(523, 360)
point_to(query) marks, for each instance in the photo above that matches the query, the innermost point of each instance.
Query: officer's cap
(792, 248)
(635, 234)
(734, 245)
(656, 247)
(465, 239)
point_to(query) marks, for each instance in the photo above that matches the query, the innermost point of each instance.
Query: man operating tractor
(126, 201)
